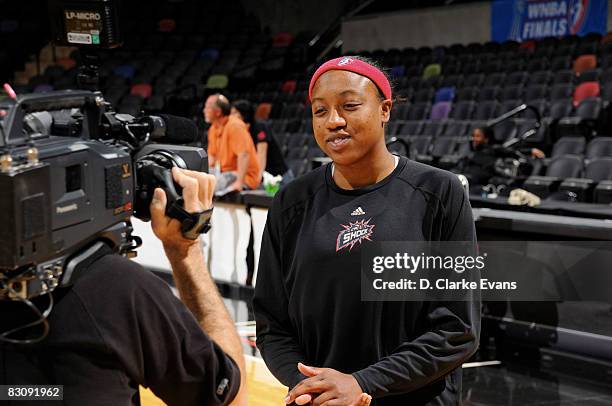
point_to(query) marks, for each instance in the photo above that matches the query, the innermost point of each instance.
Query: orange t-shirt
(226, 141)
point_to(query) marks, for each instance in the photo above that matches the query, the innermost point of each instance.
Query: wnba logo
(578, 10)
(345, 61)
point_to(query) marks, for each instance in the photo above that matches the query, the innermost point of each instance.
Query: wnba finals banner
(522, 20)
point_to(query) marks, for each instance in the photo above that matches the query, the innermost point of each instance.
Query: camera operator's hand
(198, 190)
(192, 279)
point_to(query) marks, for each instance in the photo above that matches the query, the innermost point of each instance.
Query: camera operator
(119, 326)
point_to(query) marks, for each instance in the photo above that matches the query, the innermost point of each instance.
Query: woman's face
(347, 115)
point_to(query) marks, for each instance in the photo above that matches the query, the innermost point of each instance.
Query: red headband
(353, 65)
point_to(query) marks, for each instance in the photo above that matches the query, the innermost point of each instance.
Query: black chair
(475, 79)
(462, 110)
(514, 92)
(466, 94)
(488, 93)
(424, 95)
(560, 63)
(486, 110)
(599, 147)
(542, 77)
(412, 127)
(565, 76)
(560, 168)
(418, 111)
(560, 109)
(568, 146)
(517, 78)
(583, 119)
(494, 79)
(597, 171)
(561, 92)
(455, 129)
(534, 92)
(433, 128)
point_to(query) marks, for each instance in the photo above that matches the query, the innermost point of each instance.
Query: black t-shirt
(118, 327)
(275, 164)
(308, 303)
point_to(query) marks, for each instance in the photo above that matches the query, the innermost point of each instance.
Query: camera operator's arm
(193, 281)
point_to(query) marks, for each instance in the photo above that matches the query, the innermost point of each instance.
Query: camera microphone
(169, 129)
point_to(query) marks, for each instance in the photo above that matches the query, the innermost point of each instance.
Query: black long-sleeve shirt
(307, 299)
(118, 327)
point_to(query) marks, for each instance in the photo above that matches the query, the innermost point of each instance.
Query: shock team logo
(354, 233)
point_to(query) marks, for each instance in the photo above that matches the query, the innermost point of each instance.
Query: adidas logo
(358, 212)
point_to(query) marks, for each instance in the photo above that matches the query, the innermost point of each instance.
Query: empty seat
(560, 63)
(561, 92)
(599, 147)
(444, 94)
(455, 129)
(411, 128)
(434, 69)
(433, 128)
(441, 110)
(559, 168)
(568, 146)
(597, 170)
(585, 90)
(534, 92)
(418, 111)
(584, 63)
(542, 77)
(143, 90)
(443, 146)
(462, 110)
(466, 94)
(488, 93)
(424, 95)
(560, 109)
(563, 76)
(494, 79)
(452, 81)
(516, 78)
(420, 144)
(512, 93)
(486, 110)
(473, 80)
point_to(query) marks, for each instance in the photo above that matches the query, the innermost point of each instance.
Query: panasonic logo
(81, 15)
(66, 209)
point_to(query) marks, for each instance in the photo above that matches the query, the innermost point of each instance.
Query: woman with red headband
(314, 331)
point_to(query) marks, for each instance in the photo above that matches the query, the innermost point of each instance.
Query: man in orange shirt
(230, 147)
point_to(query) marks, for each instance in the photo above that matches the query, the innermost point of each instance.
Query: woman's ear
(385, 110)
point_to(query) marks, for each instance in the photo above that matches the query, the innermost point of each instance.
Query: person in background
(479, 167)
(269, 153)
(231, 152)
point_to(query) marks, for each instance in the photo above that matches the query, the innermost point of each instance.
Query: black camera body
(65, 197)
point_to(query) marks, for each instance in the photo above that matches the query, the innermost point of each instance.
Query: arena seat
(562, 167)
(596, 171)
(463, 110)
(599, 147)
(440, 110)
(584, 63)
(568, 146)
(444, 94)
(585, 90)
